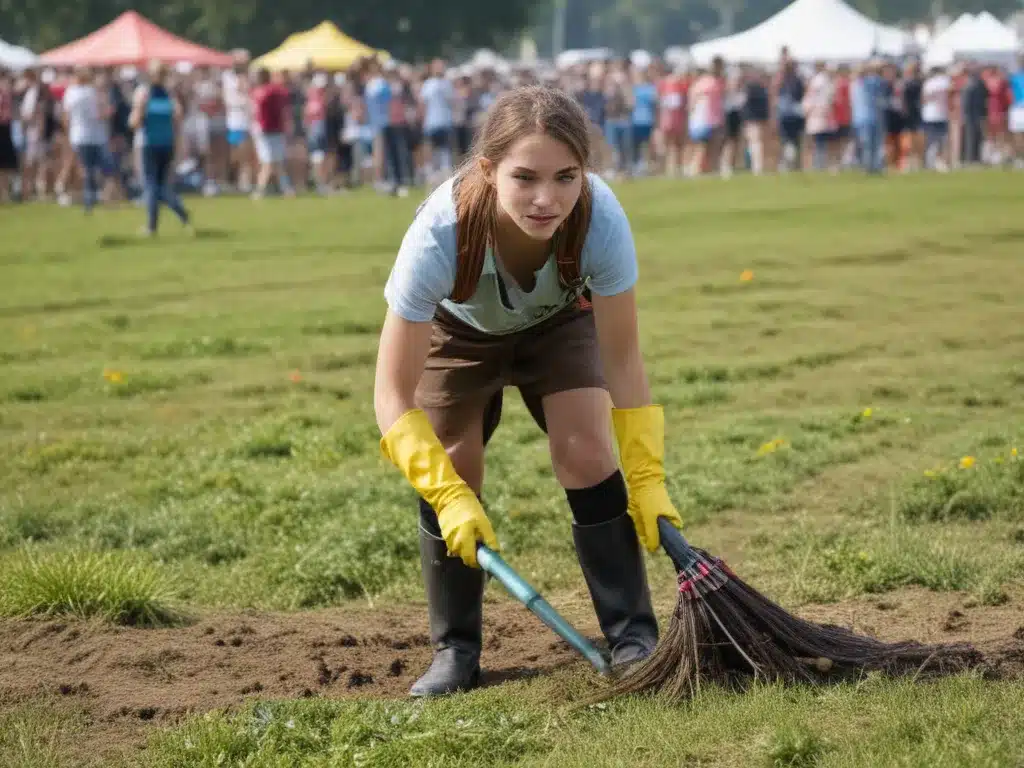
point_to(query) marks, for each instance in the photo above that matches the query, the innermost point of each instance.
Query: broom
(724, 631)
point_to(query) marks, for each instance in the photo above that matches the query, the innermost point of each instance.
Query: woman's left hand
(641, 436)
(646, 504)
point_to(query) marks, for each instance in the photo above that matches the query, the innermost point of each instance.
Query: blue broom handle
(495, 565)
(676, 545)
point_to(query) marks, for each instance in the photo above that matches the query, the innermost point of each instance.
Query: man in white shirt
(436, 96)
(85, 116)
(935, 116)
(33, 126)
(820, 115)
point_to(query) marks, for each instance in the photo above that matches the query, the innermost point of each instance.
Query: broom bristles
(726, 632)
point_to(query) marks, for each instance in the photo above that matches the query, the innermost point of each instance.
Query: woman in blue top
(644, 118)
(154, 118)
(520, 271)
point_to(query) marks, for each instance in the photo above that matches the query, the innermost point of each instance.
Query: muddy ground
(132, 680)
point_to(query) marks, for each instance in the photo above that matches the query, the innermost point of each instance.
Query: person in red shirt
(842, 118)
(999, 100)
(672, 119)
(271, 103)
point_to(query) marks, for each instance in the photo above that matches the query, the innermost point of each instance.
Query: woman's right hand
(410, 443)
(463, 525)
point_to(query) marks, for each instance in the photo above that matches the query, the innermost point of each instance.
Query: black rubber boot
(613, 566)
(455, 603)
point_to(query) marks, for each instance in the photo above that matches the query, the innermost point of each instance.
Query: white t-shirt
(29, 101)
(437, 94)
(818, 104)
(86, 126)
(33, 129)
(236, 102)
(935, 99)
(424, 272)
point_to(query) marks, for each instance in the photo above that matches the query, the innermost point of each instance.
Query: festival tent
(574, 56)
(486, 59)
(941, 48)
(324, 47)
(981, 38)
(15, 57)
(132, 40)
(813, 30)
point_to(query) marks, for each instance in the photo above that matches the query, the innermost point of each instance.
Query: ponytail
(476, 213)
(569, 242)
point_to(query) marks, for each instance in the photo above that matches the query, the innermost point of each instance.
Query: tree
(409, 28)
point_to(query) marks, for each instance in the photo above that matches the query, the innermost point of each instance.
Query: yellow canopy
(326, 46)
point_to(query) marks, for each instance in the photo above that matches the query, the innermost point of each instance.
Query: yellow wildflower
(771, 447)
(114, 377)
(1013, 452)
(866, 413)
(746, 276)
(929, 473)
(967, 462)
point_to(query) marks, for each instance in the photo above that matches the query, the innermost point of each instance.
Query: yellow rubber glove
(641, 436)
(412, 446)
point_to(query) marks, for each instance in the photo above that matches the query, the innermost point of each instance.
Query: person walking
(155, 118)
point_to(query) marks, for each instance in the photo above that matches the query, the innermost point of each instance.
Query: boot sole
(473, 683)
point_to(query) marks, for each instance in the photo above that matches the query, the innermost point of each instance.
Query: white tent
(485, 58)
(571, 58)
(813, 30)
(15, 57)
(981, 38)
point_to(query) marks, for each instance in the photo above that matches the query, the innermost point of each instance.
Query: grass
(957, 722)
(37, 734)
(113, 586)
(188, 425)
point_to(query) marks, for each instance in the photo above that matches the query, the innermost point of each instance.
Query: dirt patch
(131, 680)
(221, 659)
(997, 631)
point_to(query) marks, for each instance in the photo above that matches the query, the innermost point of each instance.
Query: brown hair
(515, 114)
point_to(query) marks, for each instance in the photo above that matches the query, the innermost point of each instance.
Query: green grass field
(188, 429)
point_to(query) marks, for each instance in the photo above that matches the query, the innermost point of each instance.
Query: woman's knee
(582, 456)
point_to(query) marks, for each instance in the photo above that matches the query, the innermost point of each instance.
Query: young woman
(489, 290)
(155, 118)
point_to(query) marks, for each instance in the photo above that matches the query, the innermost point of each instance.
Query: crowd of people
(396, 126)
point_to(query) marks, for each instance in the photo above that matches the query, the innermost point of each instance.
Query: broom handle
(520, 589)
(676, 545)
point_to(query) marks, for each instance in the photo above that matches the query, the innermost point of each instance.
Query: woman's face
(538, 183)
